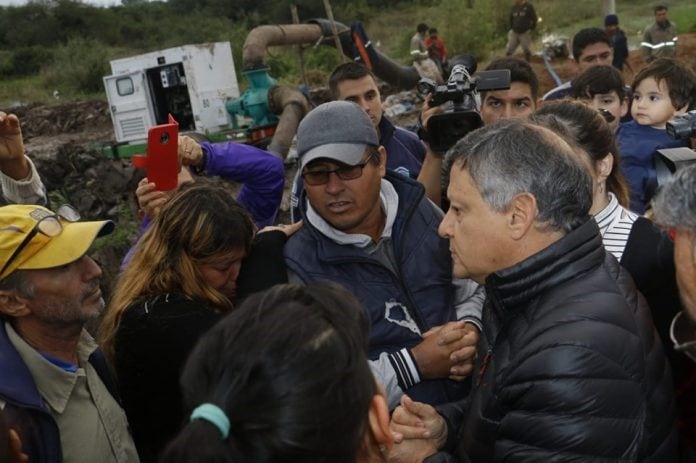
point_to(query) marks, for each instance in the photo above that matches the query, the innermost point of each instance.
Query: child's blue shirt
(638, 145)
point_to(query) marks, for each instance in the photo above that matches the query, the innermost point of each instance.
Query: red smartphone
(162, 160)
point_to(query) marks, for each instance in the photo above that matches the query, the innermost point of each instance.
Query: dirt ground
(61, 139)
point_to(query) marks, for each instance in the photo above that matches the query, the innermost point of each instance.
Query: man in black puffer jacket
(569, 365)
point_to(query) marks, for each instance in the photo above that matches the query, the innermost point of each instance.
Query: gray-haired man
(374, 232)
(569, 366)
(675, 207)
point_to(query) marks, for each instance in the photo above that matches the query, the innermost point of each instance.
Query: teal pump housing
(253, 103)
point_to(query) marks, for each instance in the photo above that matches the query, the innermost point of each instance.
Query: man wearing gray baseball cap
(374, 232)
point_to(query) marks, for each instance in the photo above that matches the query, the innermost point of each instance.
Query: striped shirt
(615, 223)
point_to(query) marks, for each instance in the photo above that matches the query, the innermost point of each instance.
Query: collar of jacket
(386, 131)
(16, 382)
(578, 252)
(19, 386)
(410, 193)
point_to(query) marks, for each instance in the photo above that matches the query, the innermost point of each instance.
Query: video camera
(682, 127)
(462, 117)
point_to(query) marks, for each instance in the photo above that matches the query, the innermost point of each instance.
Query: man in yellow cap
(55, 388)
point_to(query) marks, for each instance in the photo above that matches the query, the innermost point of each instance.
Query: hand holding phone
(162, 161)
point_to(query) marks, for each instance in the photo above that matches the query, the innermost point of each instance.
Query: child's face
(651, 104)
(612, 103)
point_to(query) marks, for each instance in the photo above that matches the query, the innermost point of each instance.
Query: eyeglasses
(321, 177)
(48, 225)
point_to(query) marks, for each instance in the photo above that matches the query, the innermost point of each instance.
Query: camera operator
(511, 93)
(517, 101)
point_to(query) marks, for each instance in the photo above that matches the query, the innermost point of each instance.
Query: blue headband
(214, 415)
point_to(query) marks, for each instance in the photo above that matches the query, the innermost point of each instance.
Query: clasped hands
(418, 432)
(447, 351)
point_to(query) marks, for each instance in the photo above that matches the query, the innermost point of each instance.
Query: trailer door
(129, 105)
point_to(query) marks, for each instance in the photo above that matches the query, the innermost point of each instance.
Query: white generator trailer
(190, 82)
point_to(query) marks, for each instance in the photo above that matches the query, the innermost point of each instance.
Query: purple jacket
(261, 174)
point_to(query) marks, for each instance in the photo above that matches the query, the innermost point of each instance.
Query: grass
(481, 30)
(122, 236)
(22, 90)
(33, 89)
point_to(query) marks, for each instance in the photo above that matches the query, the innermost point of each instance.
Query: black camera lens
(682, 127)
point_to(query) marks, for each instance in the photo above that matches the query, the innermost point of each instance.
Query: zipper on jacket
(411, 304)
(484, 365)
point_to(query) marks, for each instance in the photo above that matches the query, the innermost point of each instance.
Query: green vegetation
(122, 236)
(65, 45)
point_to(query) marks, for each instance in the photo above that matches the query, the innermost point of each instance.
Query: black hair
(520, 71)
(660, 8)
(598, 80)
(422, 27)
(432, 30)
(680, 79)
(347, 71)
(289, 369)
(587, 37)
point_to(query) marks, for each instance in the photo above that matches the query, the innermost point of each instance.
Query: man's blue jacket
(420, 290)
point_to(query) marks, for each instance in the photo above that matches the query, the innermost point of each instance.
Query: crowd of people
(527, 295)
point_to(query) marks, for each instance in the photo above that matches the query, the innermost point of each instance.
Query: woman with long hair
(284, 377)
(181, 279)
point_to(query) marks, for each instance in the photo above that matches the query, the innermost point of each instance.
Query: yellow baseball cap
(24, 247)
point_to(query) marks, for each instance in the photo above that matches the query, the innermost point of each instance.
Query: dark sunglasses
(321, 177)
(48, 225)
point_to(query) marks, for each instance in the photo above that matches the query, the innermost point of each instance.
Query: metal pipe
(262, 37)
(320, 30)
(292, 106)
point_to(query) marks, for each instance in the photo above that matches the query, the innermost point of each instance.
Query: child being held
(661, 91)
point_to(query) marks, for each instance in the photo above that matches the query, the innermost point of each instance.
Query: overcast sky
(92, 2)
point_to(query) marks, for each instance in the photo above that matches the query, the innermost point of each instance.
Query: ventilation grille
(133, 127)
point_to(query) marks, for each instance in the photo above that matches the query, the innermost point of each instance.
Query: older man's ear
(522, 214)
